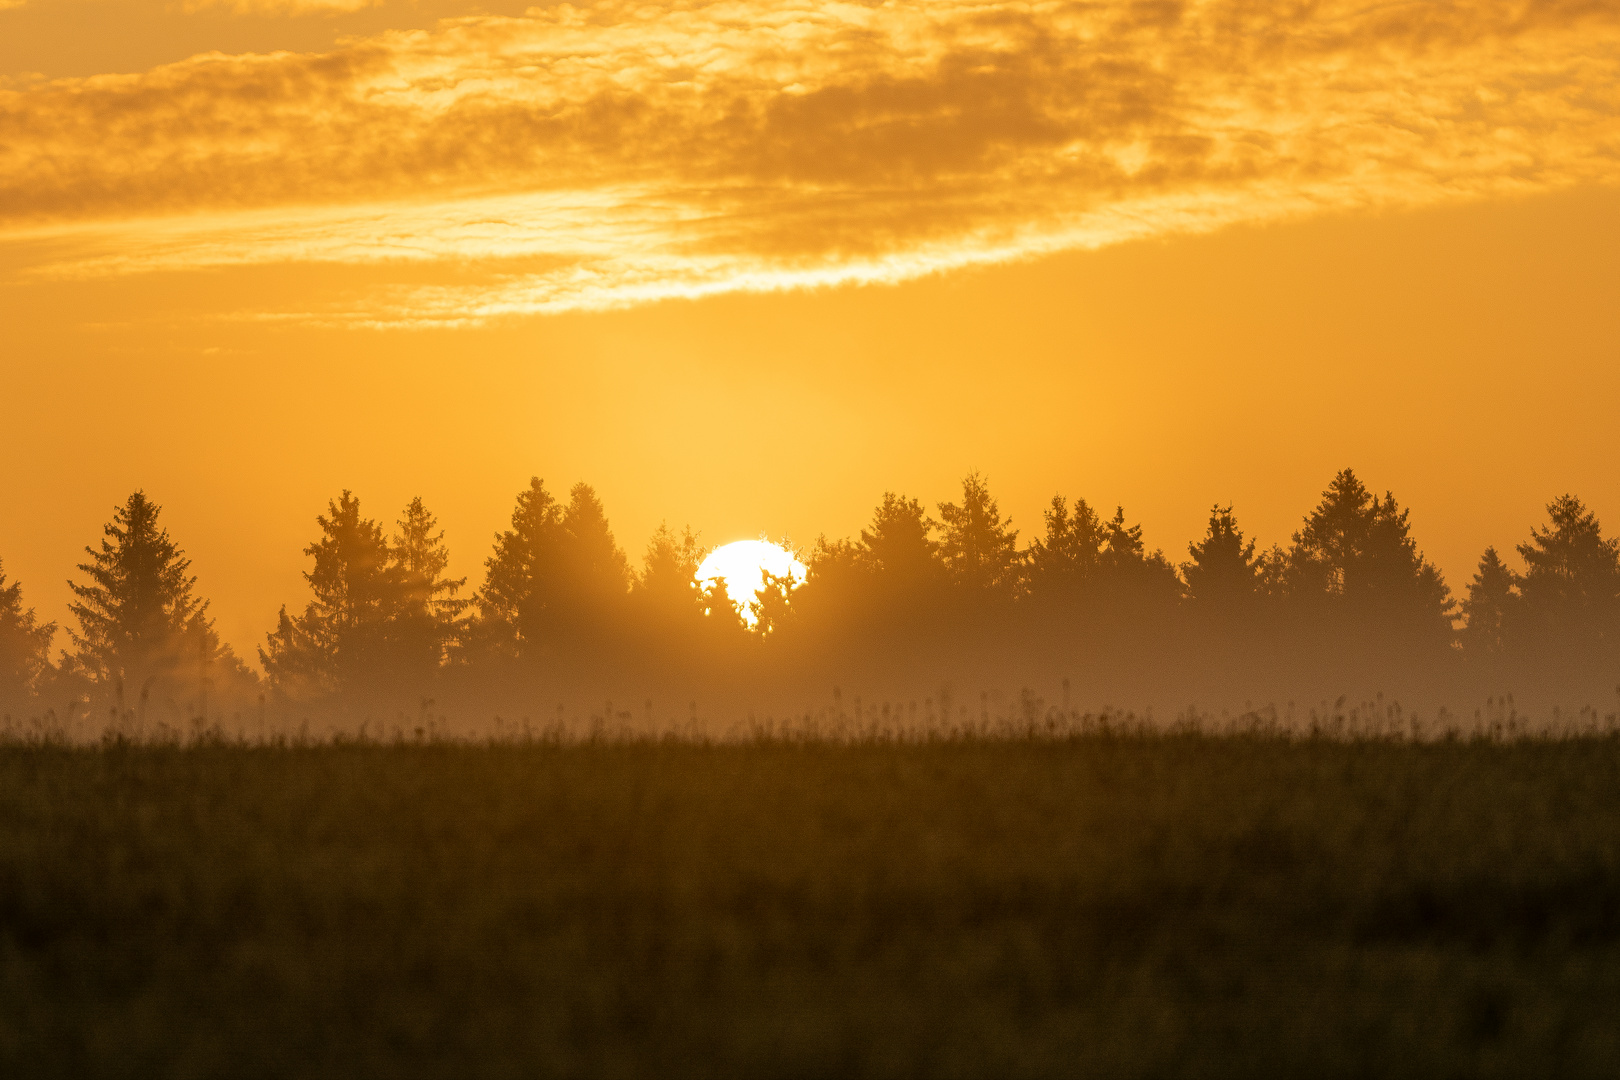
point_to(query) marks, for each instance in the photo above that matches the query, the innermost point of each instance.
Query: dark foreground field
(1116, 907)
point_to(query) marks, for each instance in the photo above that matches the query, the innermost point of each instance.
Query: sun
(742, 566)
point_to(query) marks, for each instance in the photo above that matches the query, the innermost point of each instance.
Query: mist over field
(930, 621)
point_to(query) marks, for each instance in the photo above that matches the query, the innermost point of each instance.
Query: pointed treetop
(138, 606)
(1224, 567)
(899, 540)
(980, 550)
(1071, 551)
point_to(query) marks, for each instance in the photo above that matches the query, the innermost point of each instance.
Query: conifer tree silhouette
(1133, 582)
(772, 607)
(840, 598)
(979, 549)
(517, 607)
(429, 618)
(24, 645)
(140, 622)
(1224, 570)
(593, 573)
(898, 546)
(891, 577)
(665, 597)
(1571, 582)
(722, 616)
(1123, 544)
(1491, 608)
(1355, 554)
(1271, 575)
(1066, 561)
(349, 635)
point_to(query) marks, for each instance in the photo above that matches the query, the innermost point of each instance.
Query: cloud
(591, 157)
(282, 7)
(7, 5)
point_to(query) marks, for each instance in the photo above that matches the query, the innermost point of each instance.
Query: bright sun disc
(742, 566)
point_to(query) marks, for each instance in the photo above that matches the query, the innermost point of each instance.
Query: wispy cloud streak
(282, 7)
(581, 158)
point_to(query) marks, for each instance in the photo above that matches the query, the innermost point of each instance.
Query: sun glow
(742, 567)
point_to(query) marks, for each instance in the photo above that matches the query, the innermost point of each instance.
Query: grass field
(1106, 906)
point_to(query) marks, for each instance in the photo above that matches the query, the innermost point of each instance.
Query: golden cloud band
(602, 156)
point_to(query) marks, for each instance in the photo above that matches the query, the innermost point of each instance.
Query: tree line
(559, 596)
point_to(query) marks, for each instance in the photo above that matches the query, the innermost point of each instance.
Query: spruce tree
(1133, 580)
(296, 663)
(140, 622)
(24, 645)
(1355, 559)
(430, 613)
(1571, 582)
(666, 597)
(347, 638)
(1491, 608)
(979, 549)
(838, 597)
(773, 607)
(1330, 552)
(899, 547)
(722, 616)
(892, 577)
(1224, 569)
(594, 575)
(1271, 575)
(517, 607)
(1064, 562)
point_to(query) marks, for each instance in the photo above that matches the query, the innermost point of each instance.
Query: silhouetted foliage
(1068, 559)
(1135, 580)
(722, 618)
(980, 551)
(1355, 562)
(899, 547)
(1492, 609)
(560, 607)
(1571, 582)
(1224, 573)
(593, 573)
(772, 607)
(430, 614)
(517, 607)
(1271, 574)
(25, 644)
(140, 623)
(666, 595)
(342, 636)
(1095, 577)
(381, 617)
(556, 579)
(890, 580)
(889, 584)
(839, 601)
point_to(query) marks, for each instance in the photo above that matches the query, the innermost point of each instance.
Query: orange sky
(747, 265)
